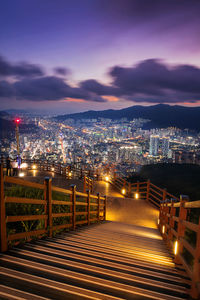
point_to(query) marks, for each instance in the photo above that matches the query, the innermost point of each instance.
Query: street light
(107, 178)
(123, 191)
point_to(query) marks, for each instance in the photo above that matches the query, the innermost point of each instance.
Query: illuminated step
(11, 293)
(59, 277)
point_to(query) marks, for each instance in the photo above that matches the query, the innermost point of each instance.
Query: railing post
(98, 195)
(88, 206)
(148, 190)
(164, 194)
(84, 184)
(181, 227)
(48, 183)
(195, 289)
(3, 232)
(172, 213)
(138, 186)
(73, 189)
(105, 207)
(129, 189)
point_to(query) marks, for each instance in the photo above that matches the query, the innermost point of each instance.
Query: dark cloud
(6, 89)
(50, 88)
(19, 70)
(151, 81)
(61, 71)
(94, 86)
(136, 11)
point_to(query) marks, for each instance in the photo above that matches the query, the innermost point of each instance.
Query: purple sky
(75, 55)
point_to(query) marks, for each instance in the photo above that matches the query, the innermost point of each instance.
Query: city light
(70, 174)
(123, 191)
(163, 229)
(52, 169)
(34, 167)
(136, 196)
(176, 248)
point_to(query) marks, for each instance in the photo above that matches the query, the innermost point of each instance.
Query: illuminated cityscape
(93, 143)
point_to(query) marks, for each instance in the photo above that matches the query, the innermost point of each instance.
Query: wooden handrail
(166, 223)
(47, 214)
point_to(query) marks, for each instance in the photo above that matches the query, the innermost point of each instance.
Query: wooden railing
(67, 171)
(174, 223)
(88, 184)
(176, 217)
(142, 190)
(46, 215)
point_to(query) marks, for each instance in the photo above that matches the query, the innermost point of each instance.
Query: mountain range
(160, 116)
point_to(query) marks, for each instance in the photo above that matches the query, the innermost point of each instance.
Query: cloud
(142, 11)
(19, 70)
(150, 81)
(50, 88)
(94, 86)
(61, 71)
(6, 89)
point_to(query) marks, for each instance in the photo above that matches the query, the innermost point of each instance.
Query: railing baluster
(73, 188)
(105, 207)
(195, 290)
(98, 195)
(88, 206)
(181, 226)
(148, 190)
(48, 187)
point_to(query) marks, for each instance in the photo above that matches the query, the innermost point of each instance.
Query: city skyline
(72, 56)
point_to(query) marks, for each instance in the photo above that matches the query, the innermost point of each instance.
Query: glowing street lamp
(34, 167)
(107, 178)
(163, 229)
(123, 191)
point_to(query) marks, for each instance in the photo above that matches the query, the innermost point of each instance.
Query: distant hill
(160, 116)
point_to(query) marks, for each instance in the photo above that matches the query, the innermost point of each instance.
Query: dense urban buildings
(94, 143)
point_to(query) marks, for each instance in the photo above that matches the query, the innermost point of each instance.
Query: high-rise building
(165, 146)
(154, 145)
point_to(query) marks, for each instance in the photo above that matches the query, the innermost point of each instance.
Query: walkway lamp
(107, 178)
(34, 167)
(175, 247)
(136, 195)
(123, 191)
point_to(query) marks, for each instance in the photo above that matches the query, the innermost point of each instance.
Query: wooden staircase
(110, 260)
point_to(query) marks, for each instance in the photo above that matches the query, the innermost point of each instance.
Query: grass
(18, 209)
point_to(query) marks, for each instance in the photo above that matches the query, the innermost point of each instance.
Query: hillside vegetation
(177, 178)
